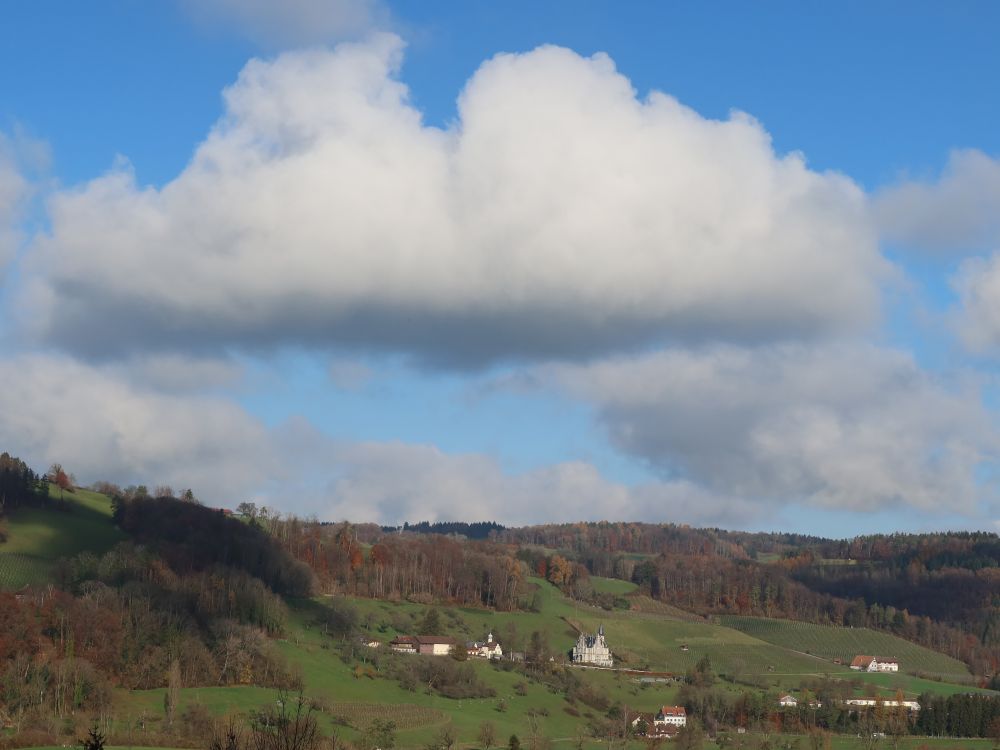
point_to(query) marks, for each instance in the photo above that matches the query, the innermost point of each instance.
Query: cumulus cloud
(560, 216)
(396, 482)
(978, 317)
(960, 212)
(846, 427)
(14, 193)
(102, 424)
(291, 22)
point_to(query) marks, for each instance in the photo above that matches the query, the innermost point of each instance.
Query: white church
(592, 649)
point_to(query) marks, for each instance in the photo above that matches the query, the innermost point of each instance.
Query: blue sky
(707, 263)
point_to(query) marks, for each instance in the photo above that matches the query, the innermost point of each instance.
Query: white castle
(592, 649)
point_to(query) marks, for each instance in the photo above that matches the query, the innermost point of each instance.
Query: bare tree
(487, 735)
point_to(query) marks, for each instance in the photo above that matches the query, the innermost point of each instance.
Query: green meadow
(350, 699)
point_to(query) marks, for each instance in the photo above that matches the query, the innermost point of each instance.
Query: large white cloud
(959, 213)
(559, 216)
(846, 427)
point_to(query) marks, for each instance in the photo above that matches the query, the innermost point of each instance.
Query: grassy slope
(656, 639)
(831, 642)
(37, 537)
(612, 586)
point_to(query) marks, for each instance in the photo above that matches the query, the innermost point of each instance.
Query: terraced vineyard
(405, 715)
(829, 642)
(37, 537)
(17, 570)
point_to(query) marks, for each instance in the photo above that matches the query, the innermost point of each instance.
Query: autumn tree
(60, 478)
(560, 570)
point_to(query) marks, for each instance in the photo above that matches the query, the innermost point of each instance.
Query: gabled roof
(673, 711)
(430, 640)
(401, 639)
(862, 660)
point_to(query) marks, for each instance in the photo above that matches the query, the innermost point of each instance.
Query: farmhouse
(671, 716)
(865, 663)
(592, 649)
(788, 701)
(404, 644)
(488, 649)
(435, 645)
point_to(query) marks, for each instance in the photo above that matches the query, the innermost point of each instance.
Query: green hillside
(37, 537)
(350, 699)
(831, 643)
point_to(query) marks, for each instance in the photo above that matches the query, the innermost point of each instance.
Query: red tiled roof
(673, 711)
(861, 660)
(429, 640)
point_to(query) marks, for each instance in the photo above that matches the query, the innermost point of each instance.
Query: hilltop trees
(60, 478)
(19, 485)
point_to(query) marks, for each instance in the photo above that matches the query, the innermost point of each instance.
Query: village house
(866, 663)
(592, 649)
(788, 701)
(671, 716)
(644, 725)
(488, 649)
